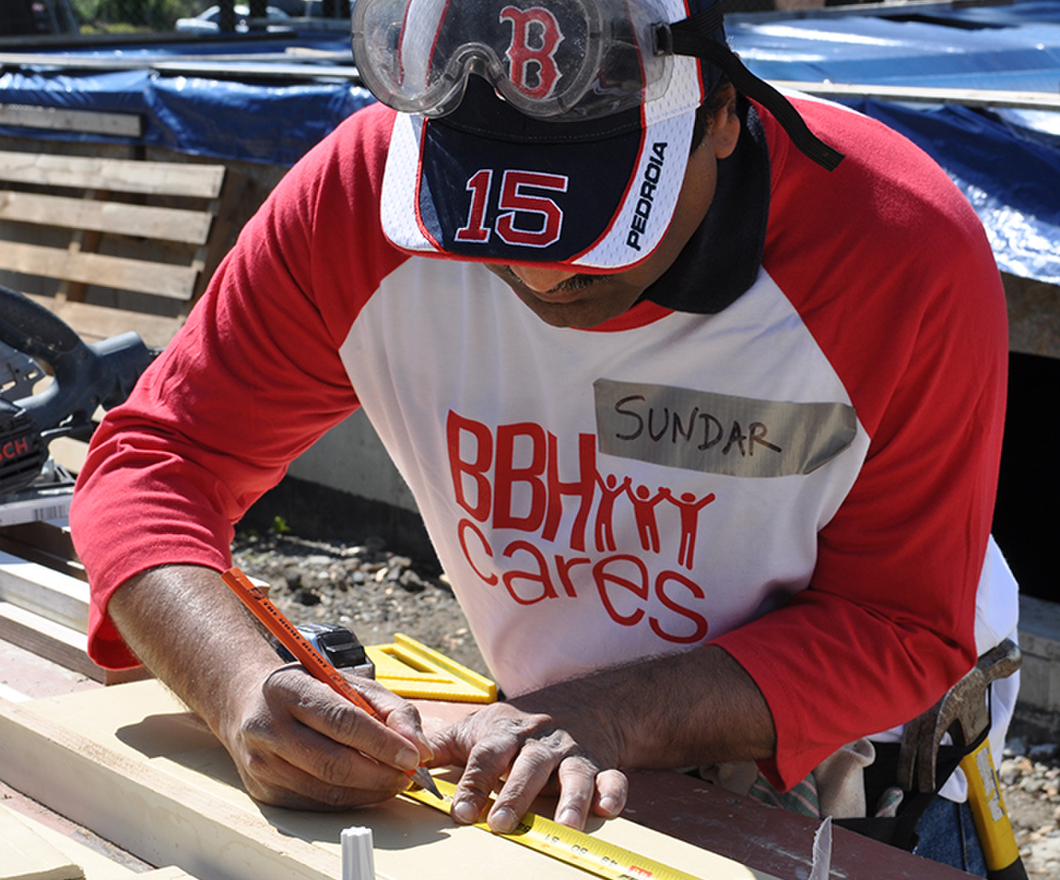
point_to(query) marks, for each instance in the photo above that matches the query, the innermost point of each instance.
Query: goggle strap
(692, 37)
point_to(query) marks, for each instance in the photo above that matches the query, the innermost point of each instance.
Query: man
(713, 486)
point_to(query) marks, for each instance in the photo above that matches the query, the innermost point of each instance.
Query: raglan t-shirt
(803, 475)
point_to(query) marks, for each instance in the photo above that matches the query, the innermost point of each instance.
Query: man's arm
(688, 709)
(295, 742)
(252, 380)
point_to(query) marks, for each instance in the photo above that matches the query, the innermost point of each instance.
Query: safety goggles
(583, 59)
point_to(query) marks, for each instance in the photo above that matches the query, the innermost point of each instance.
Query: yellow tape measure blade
(599, 857)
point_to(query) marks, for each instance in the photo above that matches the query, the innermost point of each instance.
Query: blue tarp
(274, 123)
(1011, 177)
(1006, 161)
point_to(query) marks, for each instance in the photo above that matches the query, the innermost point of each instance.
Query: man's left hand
(525, 753)
(575, 738)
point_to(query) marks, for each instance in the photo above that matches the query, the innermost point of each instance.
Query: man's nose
(541, 279)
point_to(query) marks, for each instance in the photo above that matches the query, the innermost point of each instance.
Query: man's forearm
(192, 633)
(699, 707)
(693, 708)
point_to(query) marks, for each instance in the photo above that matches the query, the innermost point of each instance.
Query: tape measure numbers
(576, 848)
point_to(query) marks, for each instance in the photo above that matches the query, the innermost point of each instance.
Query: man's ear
(723, 130)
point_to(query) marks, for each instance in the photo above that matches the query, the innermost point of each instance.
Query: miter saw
(83, 378)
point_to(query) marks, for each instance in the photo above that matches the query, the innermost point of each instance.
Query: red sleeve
(252, 379)
(905, 300)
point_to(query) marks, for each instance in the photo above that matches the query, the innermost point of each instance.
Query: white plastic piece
(357, 860)
(821, 869)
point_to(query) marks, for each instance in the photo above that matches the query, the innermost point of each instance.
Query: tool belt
(900, 830)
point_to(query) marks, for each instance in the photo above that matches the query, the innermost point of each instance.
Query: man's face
(570, 299)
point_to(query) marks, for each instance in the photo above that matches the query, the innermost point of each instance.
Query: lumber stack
(44, 599)
(110, 227)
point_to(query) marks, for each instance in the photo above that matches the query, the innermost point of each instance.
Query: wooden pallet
(107, 228)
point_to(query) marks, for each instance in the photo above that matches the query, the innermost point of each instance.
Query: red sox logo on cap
(531, 54)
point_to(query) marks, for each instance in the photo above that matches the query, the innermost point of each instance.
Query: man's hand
(532, 752)
(295, 742)
(577, 737)
(298, 744)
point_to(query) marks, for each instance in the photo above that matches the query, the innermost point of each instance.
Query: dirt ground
(362, 586)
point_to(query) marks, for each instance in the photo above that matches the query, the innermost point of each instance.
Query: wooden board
(89, 863)
(930, 95)
(61, 119)
(25, 855)
(240, 67)
(133, 766)
(122, 175)
(48, 542)
(161, 279)
(167, 224)
(48, 639)
(59, 644)
(145, 811)
(45, 611)
(94, 323)
(44, 591)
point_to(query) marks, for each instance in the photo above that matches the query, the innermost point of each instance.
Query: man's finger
(285, 785)
(401, 716)
(577, 785)
(487, 762)
(529, 774)
(612, 791)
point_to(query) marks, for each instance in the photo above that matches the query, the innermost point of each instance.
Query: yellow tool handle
(991, 821)
(576, 848)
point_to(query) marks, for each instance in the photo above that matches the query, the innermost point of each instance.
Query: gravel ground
(363, 586)
(377, 593)
(1030, 782)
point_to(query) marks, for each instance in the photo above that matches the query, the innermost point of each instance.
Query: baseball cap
(518, 153)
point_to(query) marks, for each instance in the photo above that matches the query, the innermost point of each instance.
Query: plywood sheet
(152, 754)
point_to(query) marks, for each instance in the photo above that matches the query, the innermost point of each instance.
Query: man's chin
(578, 314)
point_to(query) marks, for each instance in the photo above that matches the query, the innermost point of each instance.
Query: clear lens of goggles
(581, 58)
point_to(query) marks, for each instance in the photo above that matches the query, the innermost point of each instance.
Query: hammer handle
(991, 820)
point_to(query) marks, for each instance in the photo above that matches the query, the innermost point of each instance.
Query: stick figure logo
(536, 36)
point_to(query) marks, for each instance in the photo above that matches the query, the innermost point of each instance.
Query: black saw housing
(84, 378)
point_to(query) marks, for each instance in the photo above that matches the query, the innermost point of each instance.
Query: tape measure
(566, 844)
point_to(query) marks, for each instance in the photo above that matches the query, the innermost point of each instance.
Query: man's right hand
(295, 742)
(298, 744)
